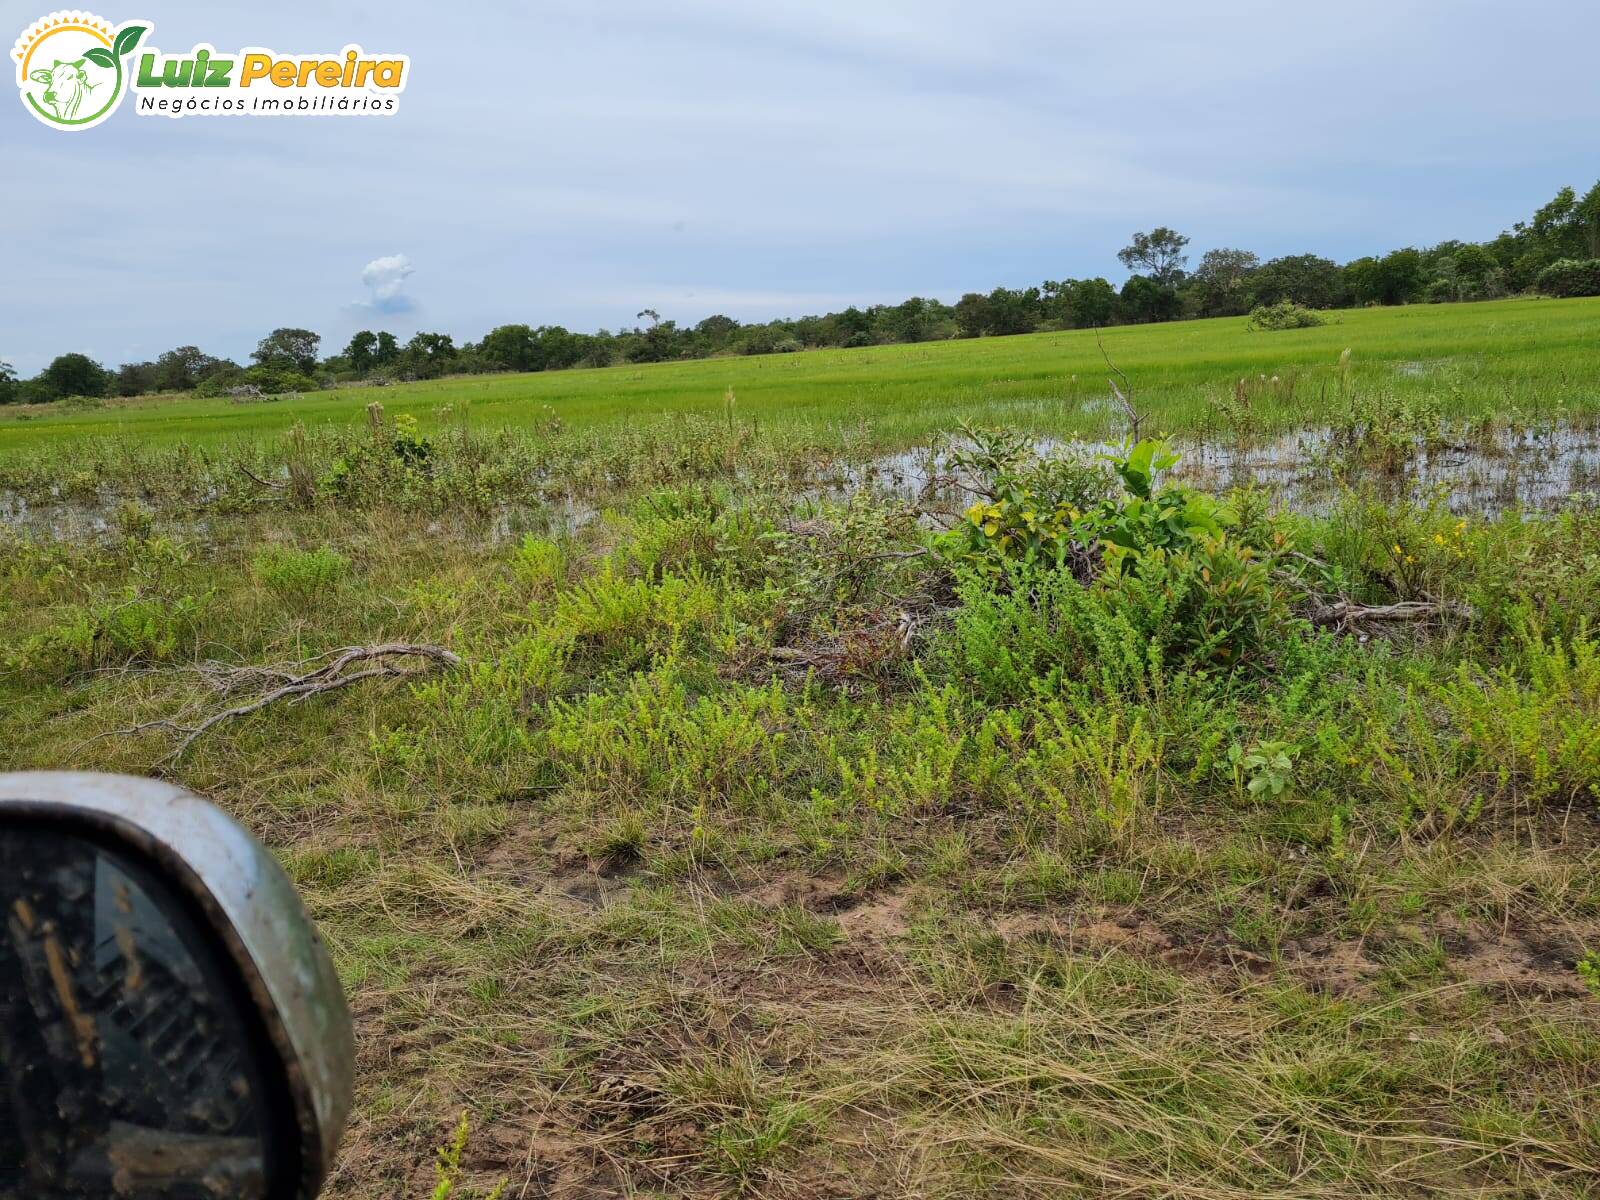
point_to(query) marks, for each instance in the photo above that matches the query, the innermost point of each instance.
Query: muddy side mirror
(170, 1023)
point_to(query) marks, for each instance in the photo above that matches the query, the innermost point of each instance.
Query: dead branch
(1135, 419)
(1347, 614)
(254, 478)
(295, 688)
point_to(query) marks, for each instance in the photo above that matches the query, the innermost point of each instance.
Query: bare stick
(1134, 419)
(295, 688)
(254, 478)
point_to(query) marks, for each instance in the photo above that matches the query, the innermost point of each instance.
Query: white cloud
(385, 279)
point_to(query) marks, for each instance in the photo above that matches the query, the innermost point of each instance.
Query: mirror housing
(251, 908)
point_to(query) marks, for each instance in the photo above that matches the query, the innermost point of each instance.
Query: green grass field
(1534, 357)
(768, 841)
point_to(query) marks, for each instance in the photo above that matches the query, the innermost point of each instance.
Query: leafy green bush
(1031, 507)
(270, 381)
(1156, 586)
(1285, 314)
(1571, 277)
(1125, 633)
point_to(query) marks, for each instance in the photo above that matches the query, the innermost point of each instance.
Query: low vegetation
(1503, 361)
(721, 829)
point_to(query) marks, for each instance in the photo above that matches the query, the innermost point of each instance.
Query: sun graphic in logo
(70, 67)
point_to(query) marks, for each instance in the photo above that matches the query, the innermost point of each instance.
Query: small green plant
(1589, 971)
(1264, 769)
(447, 1168)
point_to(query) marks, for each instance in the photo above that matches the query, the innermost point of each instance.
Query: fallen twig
(254, 478)
(294, 687)
(1345, 614)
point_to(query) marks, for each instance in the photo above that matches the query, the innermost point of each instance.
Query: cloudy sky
(572, 162)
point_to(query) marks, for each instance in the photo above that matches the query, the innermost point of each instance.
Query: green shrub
(1571, 277)
(299, 574)
(129, 627)
(1531, 730)
(1030, 507)
(539, 564)
(1285, 314)
(1155, 585)
(1036, 631)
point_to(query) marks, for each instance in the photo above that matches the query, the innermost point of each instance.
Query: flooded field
(1490, 472)
(1530, 469)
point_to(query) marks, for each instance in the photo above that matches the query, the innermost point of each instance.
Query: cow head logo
(71, 67)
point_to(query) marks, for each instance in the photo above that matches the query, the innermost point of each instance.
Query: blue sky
(574, 162)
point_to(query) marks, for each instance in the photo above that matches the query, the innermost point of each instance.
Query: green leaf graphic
(128, 39)
(100, 57)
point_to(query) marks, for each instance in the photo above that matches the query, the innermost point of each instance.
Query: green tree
(8, 383)
(1093, 303)
(361, 352)
(182, 369)
(74, 375)
(655, 344)
(1145, 299)
(556, 348)
(1586, 217)
(1473, 263)
(429, 355)
(716, 330)
(1399, 276)
(288, 350)
(914, 320)
(1222, 281)
(1055, 300)
(1307, 279)
(1555, 224)
(1011, 311)
(853, 323)
(511, 348)
(136, 379)
(388, 349)
(1159, 254)
(972, 315)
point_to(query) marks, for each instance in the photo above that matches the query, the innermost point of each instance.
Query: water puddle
(1534, 470)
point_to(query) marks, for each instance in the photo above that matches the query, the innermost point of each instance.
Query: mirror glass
(129, 1064)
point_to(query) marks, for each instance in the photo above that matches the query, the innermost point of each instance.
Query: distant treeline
(1557, 252)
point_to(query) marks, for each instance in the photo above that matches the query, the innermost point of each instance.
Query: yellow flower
(1397, 549)
(1410, 559)
(1438, 539)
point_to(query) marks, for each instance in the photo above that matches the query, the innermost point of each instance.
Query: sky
(573, 162)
